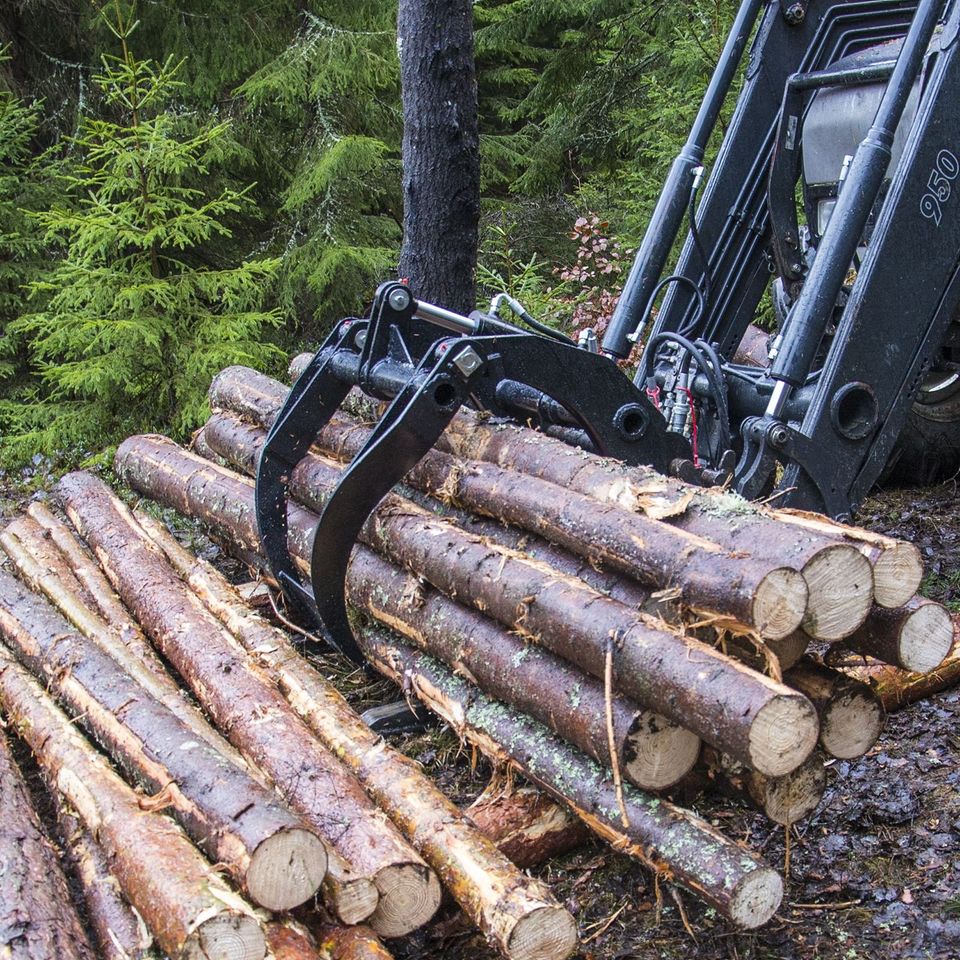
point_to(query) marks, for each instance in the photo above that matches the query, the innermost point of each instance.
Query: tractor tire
(929, 446)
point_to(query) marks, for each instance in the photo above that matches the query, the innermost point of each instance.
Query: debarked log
(270, 853)
(249, 709)
(191, 913)
(743, 713)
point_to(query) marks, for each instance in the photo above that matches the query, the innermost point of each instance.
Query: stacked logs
(622, 639)
(184, 836)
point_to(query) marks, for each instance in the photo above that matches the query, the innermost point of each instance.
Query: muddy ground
(875, 873)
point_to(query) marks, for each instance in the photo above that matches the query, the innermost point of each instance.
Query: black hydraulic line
(814, 307)
(672, 206)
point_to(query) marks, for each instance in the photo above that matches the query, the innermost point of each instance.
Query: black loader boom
(858, 103)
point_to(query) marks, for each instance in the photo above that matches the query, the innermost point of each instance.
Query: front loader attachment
(395, 355)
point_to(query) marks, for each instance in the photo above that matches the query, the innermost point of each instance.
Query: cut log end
(353, 899)
(756, 898)
(792, 798)
(840, 581)
(925, 638)
(780, 603)
(852, 722)
(897, 574)
(227, 936)
(783, 735)
(286, 869)
(549, 933)
(659, 752)
(409, 896)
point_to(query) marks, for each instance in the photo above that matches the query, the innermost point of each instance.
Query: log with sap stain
(271, 854)
(758, 721)
(37, 917)
(518, 913)
(665, 837)
(764, 594)
(191, 913)
(379, 875)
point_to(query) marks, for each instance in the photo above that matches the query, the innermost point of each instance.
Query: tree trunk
(237, 822)
(667, 838)
(189, 910)
(118, 930)
(915, 637)
(762, 723)
(37, 917)
(254, 715)
(350, 943)
(851, 714)
(441, 151)
(511, 909)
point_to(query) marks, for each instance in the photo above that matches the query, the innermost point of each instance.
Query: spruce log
(898, 688)
(41, 564)
(851, 714)
(653, 752)
(350, 943)
(246, 705)
(191, 913)
(788, 651)
(915, 637)
(271, 854)
(784, 800)
(669, 839)
(37, 917)
(288, 940)
(518, 913)
(527, 825)
(740, 711)
(119, 932)
(766, 595)
(762, 723)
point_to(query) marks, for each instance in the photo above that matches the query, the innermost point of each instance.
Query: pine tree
(137, 322)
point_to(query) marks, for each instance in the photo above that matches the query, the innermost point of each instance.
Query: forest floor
(875, 873)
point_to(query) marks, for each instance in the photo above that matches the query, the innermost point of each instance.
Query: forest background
(186, 184)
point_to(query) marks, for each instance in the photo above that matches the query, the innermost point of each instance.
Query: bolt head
(360, 338)
(399, 299)
(467, 361)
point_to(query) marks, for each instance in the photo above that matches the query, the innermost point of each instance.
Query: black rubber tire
(929, 447)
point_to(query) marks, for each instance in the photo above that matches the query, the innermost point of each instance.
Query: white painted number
(939, 186)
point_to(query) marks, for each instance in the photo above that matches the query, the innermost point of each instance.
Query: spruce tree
(137, 321)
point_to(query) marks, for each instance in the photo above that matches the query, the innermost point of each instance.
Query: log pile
(623, 640)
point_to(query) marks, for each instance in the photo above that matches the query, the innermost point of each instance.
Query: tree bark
(762, 723)
(916, 637)
(511, 909)
(667, 838)
(270, 853)
(192, 914)
(652, 752)
(248, 708)
(763, 593)
(527, 825)
(441, 151)
(118, 930)
(39, 562)
(851, 714)
(37, 917)
(350, 943)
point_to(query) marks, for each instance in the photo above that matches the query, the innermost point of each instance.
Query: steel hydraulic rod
(672, 206)
(814, 308)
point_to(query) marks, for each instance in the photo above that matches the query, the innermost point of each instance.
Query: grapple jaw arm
(496, 367)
